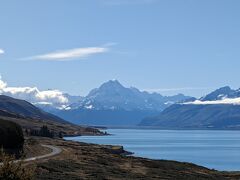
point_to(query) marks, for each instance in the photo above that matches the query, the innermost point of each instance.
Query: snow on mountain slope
(224, 95)
(113, 95)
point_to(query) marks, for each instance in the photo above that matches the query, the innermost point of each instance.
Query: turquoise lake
(213, 149)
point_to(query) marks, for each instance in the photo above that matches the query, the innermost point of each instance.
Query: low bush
(11, 135)
(10, 169)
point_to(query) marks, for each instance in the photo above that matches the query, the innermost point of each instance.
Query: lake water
(213, 149)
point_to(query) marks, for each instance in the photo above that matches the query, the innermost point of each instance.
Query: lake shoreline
(91, 161)
(167, 129)
(165, 148)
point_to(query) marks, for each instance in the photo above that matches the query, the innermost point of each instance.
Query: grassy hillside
(30, 117)
(67, 129)
(25, 109)
(215, 116)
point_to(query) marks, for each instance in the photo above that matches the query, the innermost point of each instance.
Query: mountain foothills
(22, 108)
(32, 118)
(217, 110)
(112, 104)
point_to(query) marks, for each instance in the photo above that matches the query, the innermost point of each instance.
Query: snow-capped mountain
(219, 109)
(224, 95)
(221, 93)
(112, 104)
(113, 95)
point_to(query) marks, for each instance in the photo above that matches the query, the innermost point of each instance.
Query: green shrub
(43, 132)
(11, 135)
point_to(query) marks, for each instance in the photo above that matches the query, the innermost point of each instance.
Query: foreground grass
(10, 169)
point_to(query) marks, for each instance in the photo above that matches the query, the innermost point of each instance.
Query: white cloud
(2, 51)
(235, 101)
(54, 95)
(70, 54)
(2, 84)
(33, 94)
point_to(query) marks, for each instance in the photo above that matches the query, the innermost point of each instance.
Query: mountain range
(112, 95)
(218, 110)
(112, 104)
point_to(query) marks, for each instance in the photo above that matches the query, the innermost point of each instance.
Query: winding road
(55, 151)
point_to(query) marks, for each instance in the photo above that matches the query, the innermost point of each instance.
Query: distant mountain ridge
(221, 93)
(113, 104)
(113, 95)
(219, 109)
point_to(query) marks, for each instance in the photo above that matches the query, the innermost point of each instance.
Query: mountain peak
(108, 87)
(224, 88)
(112, 84)
(113, 81)
(220, 93)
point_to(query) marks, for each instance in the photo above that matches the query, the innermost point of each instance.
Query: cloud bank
(234, 101)
(33, 94)
(69, 54)
(2, 51)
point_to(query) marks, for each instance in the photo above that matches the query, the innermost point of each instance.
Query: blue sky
(170, 46)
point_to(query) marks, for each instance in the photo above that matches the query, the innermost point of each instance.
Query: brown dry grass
(10, 169)
(65, 128)
(89, 161)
